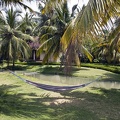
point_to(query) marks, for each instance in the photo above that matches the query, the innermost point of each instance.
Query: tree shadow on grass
(17, 67)
(76, 105)
(105, 103)
(111, 77)
(34, 107)
(16, 105)
(56, 70)
(109, 94)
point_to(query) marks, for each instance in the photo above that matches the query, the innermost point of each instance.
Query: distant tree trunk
(62, 61)
(13, 66)
(8, 61)
(13, 62)
(34, 55)
(115, 57)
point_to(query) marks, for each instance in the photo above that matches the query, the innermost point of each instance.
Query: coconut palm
(12, 41)
(89, 21)
(26, 24)
(55, 29)
(52, 30)
(49, 5)
(109, 47)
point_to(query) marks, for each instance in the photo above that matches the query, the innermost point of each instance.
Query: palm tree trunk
(13, 66)
(13, 62)
(8, 62)
(34, 55)
(115, 57)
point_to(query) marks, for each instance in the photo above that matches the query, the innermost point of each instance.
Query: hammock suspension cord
(55, 88)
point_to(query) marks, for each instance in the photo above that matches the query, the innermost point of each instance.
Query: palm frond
(49, 29)
(2, 19)
(68, 35)
(87, 53)
(118, 45)
(57, 49)
(24, 49)
(114, 44)
(23, 36)
(45, 44)
(49, 5)
(48, 53)
(14, 3)
(90, 20)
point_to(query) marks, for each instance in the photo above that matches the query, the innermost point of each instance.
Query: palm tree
(55, 28)
(109, 46)
(50, 4)
(26, 24)
(89, 21)
(52, 30)
(12, 41)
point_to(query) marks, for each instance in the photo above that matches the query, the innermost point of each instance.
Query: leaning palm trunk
(71, 61)
(8, 63)
(115, 57)
(13, 66)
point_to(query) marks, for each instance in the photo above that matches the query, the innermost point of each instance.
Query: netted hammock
(55, 88)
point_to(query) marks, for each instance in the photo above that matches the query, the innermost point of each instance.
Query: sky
(71, 3)
(79, 2)
(33, 4)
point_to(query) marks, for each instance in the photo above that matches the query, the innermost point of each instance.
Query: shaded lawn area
(108, 67)
(20, 101)
(76, 71)
(55, 68)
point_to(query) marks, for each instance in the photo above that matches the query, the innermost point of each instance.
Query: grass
(84, 71)
(111, 68)
(20, 101)
(54, 67)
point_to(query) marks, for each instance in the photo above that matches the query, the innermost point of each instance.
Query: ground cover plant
(19, 100)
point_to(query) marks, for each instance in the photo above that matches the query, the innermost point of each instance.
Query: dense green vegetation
(55, 33)
(55, 40)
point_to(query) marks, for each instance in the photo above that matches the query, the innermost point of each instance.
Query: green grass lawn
(20, 101)
(111, 68)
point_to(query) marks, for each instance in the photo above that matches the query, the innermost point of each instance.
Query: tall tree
(89, 21)
(52, 30)
(26, 24)
(109, 48)
(60, 18)
(12, 41)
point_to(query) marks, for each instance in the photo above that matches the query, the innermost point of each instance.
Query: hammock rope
(55, 88)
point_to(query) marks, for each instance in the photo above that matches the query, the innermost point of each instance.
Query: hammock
(55, 88)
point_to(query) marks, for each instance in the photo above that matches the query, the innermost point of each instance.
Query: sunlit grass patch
(20, 101)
